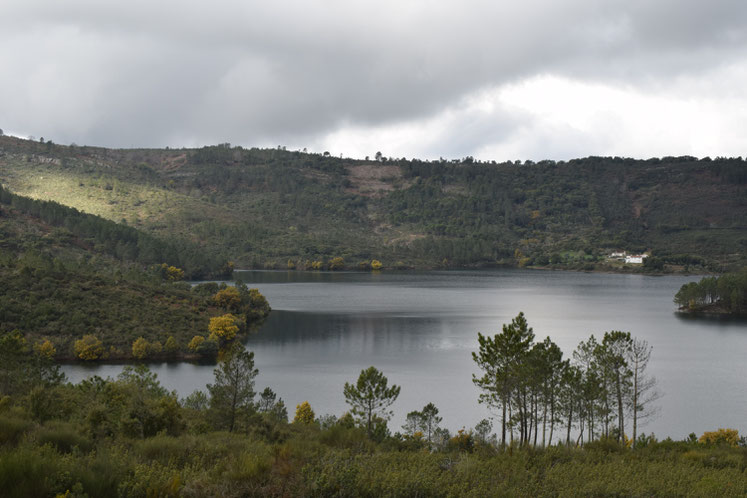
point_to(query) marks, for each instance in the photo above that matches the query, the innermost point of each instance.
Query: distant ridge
(288, 209)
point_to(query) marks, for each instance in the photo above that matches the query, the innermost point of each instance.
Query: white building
(636, 259)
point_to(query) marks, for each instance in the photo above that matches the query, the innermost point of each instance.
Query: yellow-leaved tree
(224, 326)
(337, 263)
(196, 342)
(228, 298)
(140, 348)
(171, 273)
(89, 347)
(304, 414)
(171, 346)
(46, 349)
(376, 265)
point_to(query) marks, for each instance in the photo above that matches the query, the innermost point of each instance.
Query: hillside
(85, 277)
(277, 208)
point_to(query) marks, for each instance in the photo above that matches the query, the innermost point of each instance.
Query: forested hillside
(278, 208)
(81, 287)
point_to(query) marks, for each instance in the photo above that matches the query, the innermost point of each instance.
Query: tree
(89, 347)
(229, 299)
(643, 391)
(46, 349)
(195, 343)
(171, 346)
(266, 400)
(413, 421)
(22, 369)
(224, 326)
(140, 348)
(171, 273)
(304, 414)
(482, 431)
(370, 397)
(502, 358)
(429, 421)
(590, 386)
(376, 265)
(612, 358)
(232, 393)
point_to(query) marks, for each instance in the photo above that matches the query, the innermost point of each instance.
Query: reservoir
(420, 330)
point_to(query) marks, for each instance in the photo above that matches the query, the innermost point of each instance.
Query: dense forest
(89, 289)
(290, 209)
(129, 436)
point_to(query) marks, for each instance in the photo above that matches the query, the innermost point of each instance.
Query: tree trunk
(620, 414)
(503, 424)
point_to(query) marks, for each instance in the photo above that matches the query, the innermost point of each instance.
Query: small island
(723, 295)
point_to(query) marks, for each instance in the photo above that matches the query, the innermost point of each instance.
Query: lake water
(421, 328)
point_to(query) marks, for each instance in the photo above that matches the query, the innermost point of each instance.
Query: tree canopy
(371, 397)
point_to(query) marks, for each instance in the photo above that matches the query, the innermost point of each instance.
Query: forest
(724, 294)
(274, 208)
(129, 436)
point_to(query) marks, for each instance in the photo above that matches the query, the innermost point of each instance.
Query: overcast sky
(536, 79)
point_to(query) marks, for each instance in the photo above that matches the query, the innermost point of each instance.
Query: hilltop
(275, 208)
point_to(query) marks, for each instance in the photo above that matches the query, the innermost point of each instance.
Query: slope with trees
(73, 290)
(278, 208)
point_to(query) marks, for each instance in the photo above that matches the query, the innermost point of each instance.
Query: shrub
(63, 437)
(721, 436)
(28, 471)
(12, 428)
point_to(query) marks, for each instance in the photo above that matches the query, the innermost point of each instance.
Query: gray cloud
(188, 73)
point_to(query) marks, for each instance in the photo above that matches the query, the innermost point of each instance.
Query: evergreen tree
(370, 397)
(232, 393)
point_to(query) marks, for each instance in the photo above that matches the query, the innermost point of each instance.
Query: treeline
(120, 241)
(130, 437)
(723, 294)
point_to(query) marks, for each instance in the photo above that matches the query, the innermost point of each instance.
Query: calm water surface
(421, 328)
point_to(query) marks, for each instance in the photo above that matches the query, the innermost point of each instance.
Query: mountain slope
(269, 207)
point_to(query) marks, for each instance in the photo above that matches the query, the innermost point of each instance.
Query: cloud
(317, 73)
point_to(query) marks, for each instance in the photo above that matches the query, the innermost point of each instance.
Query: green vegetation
(370, 397)
(726, 294)
(284, 209)
(69, 293)
(535, 390)
(130, 437)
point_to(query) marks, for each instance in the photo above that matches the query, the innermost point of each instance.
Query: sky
(496, 80)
